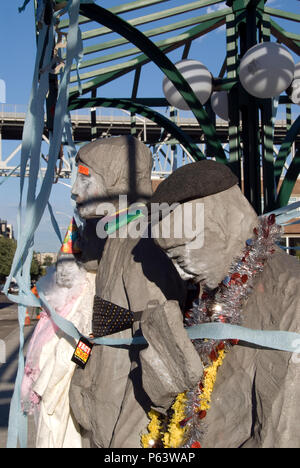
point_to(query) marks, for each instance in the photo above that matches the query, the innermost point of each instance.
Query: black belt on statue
(109, 318)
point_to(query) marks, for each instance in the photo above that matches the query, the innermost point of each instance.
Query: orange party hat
(71, 242)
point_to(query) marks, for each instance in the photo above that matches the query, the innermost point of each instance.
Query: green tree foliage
(7, 252)
(35, 270)
(48, 261)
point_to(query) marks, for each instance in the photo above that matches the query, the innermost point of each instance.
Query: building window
(295, 246)
(291, 245)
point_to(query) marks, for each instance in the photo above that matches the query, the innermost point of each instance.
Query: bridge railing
(112, 115)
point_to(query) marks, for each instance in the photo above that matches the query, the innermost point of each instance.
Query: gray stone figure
(111, 167)
(255, 398)
(108, 398)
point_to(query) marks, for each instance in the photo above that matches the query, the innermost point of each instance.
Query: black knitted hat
(195, 180)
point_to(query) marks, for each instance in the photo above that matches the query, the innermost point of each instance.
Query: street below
(9, 353)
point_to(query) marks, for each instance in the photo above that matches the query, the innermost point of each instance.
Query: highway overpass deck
(12, 123)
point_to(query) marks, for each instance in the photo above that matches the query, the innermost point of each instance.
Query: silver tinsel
(225, 305)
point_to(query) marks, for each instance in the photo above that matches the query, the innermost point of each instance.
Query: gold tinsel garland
(224, 306)
(174, 436)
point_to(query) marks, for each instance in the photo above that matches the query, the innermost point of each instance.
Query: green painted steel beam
(232, 62)
(117, 10)
(288, 116)
(282, 14)
(284, 100)
(285, 149)
(150, 102)
(136, 108)
(169, 46)
(280, 34)
(267, 129)
(110, 20)
(112, 73)
(157, 31)
(172, 41)
(156, 17)
(295, 37)
(238, 5)
(289, 181)
(136, 82)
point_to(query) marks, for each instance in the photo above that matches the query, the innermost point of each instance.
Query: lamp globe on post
(266, 70)
(219, 104)
(297, 71)
(294, 90)
(198, 77)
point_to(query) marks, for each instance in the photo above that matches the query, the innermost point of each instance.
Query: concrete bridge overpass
(111, 122)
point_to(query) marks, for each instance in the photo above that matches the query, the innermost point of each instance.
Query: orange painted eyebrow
(83, 170)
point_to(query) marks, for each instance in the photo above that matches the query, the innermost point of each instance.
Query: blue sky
(17, 55)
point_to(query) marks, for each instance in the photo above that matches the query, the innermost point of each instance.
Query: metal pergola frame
(250, 139)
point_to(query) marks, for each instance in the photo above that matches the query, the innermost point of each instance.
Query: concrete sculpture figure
(107, 397)
(108, 168)
(247, 397)
(209, 393)
(113, 405)
(68, 287)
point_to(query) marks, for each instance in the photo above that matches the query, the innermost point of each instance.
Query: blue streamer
(72, 152)
(286, 217)
(36, 207)
(278, 340)
(22, 8)
(41, 4)
(17, 428)
(54, 223)
(31, 146)
(65, 325)
(17, 420)
(285, 209)
(30, 149)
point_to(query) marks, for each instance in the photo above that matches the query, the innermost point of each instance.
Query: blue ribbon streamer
(278, 340)
(22, 8)
(54, 223)
(35, 209)
(42, 2)
(31, 145)
(18, 426)
(285, 209)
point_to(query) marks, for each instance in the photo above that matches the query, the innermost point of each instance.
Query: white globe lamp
(198, 77)
(219, 104)
(266, 70)
(294, 92)
(297, 71)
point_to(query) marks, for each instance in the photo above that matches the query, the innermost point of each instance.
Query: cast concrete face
(115, 166)
(68, 272)
(228, 221)
(89, 191)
